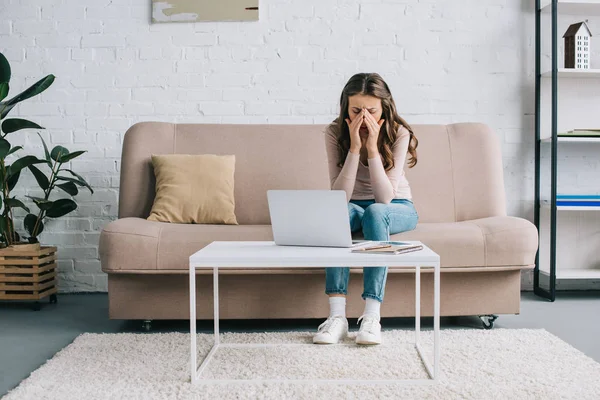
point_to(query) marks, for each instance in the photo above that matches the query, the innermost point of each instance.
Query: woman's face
(371, 104)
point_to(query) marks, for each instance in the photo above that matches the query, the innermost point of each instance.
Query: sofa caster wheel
(147, 325)
(53, 299)
(488, 321)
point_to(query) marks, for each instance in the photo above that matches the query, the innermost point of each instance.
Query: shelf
(575, 273)
(573, 208)
(570, 7)
(573, 73)
(573, 139)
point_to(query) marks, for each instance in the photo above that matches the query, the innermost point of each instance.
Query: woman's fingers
(371, 123)
(358, 121)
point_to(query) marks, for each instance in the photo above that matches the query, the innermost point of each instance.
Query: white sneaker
(370, 330)
(331, 331)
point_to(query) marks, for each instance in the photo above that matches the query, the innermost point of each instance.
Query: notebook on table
(389, 248)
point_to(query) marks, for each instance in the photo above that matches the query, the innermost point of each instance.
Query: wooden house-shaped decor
(577, 46)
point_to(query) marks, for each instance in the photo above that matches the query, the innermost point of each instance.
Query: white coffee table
(239, 255)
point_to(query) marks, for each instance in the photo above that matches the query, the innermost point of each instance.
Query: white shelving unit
(588, 273)
(574, 140)
(581, 265)
(570, 7)
(575, 73)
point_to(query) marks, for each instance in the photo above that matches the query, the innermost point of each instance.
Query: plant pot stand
(28, 272)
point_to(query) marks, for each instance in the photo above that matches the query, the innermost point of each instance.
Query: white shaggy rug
(476, 364)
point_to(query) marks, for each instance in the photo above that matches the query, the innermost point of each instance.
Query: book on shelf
(389, 248)
(578, 197)
(578, 203)
(589, 132)
(576, 200)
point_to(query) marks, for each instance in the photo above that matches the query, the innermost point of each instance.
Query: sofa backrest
(267, 157)
(458, 175)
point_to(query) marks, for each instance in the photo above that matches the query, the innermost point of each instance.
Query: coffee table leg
(216, 322)
(216, 302)
(436, 322)
(417, 303)
(193, 351)
(432, 370)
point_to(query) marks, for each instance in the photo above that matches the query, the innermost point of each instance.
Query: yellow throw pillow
(194, 189)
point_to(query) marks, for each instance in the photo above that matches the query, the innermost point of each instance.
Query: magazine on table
(389, 247)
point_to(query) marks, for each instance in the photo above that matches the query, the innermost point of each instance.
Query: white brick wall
(445, 62)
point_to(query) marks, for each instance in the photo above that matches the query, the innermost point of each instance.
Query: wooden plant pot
(28, 272)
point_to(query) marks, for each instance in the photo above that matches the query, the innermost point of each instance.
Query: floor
(29, 338)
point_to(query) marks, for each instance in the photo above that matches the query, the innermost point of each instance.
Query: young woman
(367, 147)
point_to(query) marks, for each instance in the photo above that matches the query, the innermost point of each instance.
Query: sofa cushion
(488, 242)
(138, 244)
(194, 189)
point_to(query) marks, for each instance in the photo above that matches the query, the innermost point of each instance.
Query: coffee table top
(268, 255)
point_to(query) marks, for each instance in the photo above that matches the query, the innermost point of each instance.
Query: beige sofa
(458, 190)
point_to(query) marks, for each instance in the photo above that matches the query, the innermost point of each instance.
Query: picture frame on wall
(204, 10)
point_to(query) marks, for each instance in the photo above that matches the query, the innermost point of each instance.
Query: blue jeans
(377, 222)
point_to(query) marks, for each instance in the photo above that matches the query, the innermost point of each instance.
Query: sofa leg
(488, 320)
(147, 325)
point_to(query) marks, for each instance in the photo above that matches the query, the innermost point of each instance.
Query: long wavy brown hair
(372, 84)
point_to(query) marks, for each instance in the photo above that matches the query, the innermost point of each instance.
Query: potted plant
(22, 255)
(59, 176)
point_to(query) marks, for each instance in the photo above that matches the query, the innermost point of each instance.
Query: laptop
(317, 218)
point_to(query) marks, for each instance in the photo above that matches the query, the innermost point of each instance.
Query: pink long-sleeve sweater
(372, 181)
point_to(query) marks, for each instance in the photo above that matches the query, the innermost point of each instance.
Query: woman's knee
(353, 208)
(375, 212)
(356, 215)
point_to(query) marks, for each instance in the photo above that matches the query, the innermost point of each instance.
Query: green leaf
(12, 180)
(15, 203)
(46, 152)
(58, 152)
(33, 90)
(16, 148)
(16, 124)
(5, 109)
(29, 223)
(70, 156)
(24, 162)
(83, 181)
(42, 204)
(75, 181)
(4, 148)
(35, 198)
(40, 177)
(4, 69)
(69, 187)
(3, 90)
(61, 207)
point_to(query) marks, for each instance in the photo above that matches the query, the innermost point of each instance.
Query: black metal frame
(551, 293)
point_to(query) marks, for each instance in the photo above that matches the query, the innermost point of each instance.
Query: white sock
(372, 306)
(337, 306)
